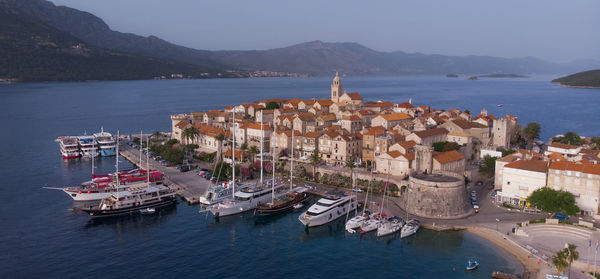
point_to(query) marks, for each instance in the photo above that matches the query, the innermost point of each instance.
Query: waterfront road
(188, 185)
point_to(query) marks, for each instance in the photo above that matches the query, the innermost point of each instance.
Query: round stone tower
(441, 195)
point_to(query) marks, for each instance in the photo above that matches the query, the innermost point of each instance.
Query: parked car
(561, 216)
(184, 168)
(476, 207)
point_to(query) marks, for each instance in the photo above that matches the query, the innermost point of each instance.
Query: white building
(520, 178)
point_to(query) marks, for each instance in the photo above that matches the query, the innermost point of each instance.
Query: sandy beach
(533, 268)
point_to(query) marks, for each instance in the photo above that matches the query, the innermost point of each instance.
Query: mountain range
(151, 56)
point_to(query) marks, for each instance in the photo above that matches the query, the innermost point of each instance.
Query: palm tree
(351, 166)
(220, 138)
(572, 255)
(243, 148)
(190, 134)
(315, 159)
(532, 132)
(560, 261)
(254, 150)
(156, 134)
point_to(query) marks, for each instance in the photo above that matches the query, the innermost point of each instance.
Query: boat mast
(387, 182)
(292, 163)
(261, 148)
(233, 155)
(148, 161)
(117, 163)
(93, 157)
(141, 141)
(273, 163)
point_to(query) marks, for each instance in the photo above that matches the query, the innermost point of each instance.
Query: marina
(138, 234)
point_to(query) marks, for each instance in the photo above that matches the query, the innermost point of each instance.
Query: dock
(188, 185)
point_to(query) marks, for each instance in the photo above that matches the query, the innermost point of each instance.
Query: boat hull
(98, 213)
(315, 221)
(85, 196)
(267, 210)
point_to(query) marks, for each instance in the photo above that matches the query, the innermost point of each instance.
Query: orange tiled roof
(354, 96)
(395, 116)
(256, 126)
(395, 154)
(378, 104)
(325, 102)
(529, 165)
(563, 145)
(447, 157)
(181, 124)
(309, 102)
(584, 168)
(406, 105)
(431, 132)
(375, 131)
(312, 134)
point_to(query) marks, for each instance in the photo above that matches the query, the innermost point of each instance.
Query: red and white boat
(69, 147)
(102, 186)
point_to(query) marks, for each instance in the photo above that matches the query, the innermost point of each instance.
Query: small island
(587, 79)
(503, 76)
(451, 75)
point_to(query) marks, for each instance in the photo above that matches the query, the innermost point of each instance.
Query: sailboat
(412, 226)
(247, 198)
(357, 221)
(391, 225)
(287, 201)
(132, 201)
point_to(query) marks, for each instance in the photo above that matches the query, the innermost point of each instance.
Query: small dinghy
(298, 205)
(148, 210)
(472, 264)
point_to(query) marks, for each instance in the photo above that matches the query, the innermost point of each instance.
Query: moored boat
(69, 147)
(132, 201)
(472, 264)
(411, 227)
(106, 143)
(391, 226)
(285, 202)
(329, 208)
(87, 146)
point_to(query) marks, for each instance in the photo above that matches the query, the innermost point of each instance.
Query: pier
(188, 185)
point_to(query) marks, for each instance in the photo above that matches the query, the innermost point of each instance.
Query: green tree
(172, 142)
(569, 138)
(315, 160)
(572, 255)
(467, 111)
(190, 134)
(506, 152)
(253, 151)
(559, 260)
(488, 166)
(272, 105)
(532, 132)
(243, 148)
(351, 166)
(220, 138)
(551, 200)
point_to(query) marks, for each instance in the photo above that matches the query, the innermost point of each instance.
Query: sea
(42, 236)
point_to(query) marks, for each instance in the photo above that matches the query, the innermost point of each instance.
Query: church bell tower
(336, 88)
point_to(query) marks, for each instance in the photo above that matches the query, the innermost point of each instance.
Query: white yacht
(133, 201)
(216, 194)
(411, 227)
(370, 225)
(357, 221)
(246, 199)
(106, 143)
(327, 209)
(88, 146)
(390, 226)
(69, 147)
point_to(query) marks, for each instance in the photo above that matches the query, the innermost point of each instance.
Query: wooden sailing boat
(287, 201)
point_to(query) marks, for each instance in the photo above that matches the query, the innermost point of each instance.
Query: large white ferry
(103, 186)
(327, 209)
(246, 199)
(69, 147)
(87, 146)
(106, 143)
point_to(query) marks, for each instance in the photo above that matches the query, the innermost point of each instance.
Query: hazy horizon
(555, 31)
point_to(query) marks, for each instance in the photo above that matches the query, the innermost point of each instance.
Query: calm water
(42, 237)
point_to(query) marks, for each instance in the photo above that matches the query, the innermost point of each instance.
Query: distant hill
(587, 79)
(33, 51)
(314, 58)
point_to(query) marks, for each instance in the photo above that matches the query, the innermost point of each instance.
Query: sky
(554, 30)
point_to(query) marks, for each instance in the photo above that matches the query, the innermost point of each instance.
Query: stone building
(439, 195)
(582, 180)
(520, 178)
